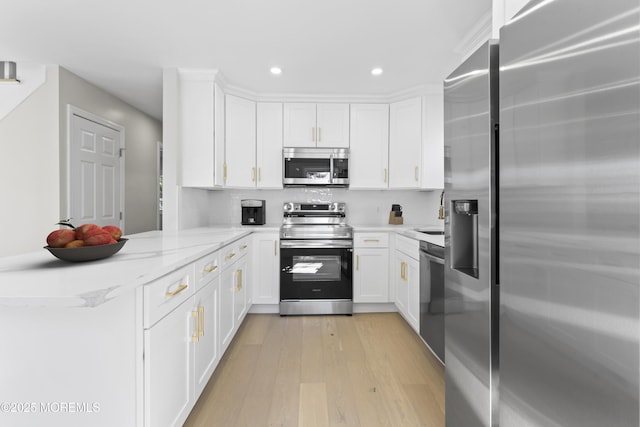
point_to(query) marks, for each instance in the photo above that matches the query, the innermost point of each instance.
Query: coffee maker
(253, 211)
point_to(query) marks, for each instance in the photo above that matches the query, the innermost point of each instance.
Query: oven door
(316, 270)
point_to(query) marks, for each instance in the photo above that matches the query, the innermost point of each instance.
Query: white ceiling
(325, 47)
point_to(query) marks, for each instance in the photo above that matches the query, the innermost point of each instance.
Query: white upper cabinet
(240, 143)
(333, 125)
(269, 145)
(433, 142)
(316, 125)
(201, 129)
(405, 143)
(369, 159)
(299, 125)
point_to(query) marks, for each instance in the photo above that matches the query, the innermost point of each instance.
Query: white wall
(363, 207)
(142, 132)
(29, 170)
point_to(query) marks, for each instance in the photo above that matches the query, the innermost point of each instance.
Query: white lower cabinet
(168, 356)
(235, 293)
(206, 354)
(371, 268)
(266, 265)
(195, 312)
(407, 280)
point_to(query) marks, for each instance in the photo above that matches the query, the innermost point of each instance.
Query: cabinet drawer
(235, 250)
(166, 293)
(408, 246)
(371, 240)
(207, 268)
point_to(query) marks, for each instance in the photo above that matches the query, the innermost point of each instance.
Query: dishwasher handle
(433, 258)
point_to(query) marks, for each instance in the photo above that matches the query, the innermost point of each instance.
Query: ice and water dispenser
(464, 236)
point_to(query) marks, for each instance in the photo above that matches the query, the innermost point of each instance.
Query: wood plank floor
(366, 370)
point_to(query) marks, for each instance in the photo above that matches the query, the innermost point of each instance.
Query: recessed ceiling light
(376, 71)
(276, 70)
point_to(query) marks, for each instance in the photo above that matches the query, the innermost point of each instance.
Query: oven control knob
(288, 207)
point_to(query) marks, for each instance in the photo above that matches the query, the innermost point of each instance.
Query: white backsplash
(363, 207)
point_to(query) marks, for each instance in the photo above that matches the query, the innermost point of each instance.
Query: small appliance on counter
(253, 211)
(395, 216)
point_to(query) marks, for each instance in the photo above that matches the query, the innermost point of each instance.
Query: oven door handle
(329, 244)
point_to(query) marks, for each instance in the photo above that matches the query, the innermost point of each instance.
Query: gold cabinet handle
(313, 134)
(385, 175)
(319, 135)
(231, 255)
(415, 174)
(372, 240)
(196, 332)
(253, 174)
(177, 291)
(201, 323)
(275, 248)
(357, 262)
(238, 280)
(224, 172)
(259, 177)
(243, 247)
(210, 269)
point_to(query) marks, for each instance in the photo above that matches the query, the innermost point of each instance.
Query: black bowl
(86, 253)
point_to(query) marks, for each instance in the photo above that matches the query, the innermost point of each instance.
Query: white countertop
(40, 279)
(412, 231)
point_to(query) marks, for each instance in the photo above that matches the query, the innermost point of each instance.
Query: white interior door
(94, 172)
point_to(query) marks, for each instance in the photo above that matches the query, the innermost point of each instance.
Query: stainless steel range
(316, 257)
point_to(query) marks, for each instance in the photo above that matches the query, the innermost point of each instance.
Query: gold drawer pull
(210, 269)
(357, 262)
(231, 255)
(243, 247)
(385, 175)
(372, 240)
(177, 291)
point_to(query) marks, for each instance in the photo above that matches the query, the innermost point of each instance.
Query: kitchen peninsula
(133, 339)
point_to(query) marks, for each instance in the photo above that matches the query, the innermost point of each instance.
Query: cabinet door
(240, 297)
(266, 260)
(369, 141)
(405, 143)
(300, 125)
(332, 125)
(167, 368)
(227, 293)
(433, 142)
(219, 134)
(269, 145)
(413, 291)
(197, 111)
(370, 276)
(240, 145)
(205, 346)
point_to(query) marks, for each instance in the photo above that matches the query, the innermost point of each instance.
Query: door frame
(71, 111)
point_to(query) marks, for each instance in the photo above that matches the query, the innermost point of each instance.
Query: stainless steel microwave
(315, 167)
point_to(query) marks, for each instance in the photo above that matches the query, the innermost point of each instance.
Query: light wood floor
(366, 370)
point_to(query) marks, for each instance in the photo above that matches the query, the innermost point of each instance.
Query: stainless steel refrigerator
(542, 269)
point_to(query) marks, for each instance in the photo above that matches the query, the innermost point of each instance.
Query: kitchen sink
(432, 233)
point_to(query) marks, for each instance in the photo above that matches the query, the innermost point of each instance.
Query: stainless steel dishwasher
(432, 297)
